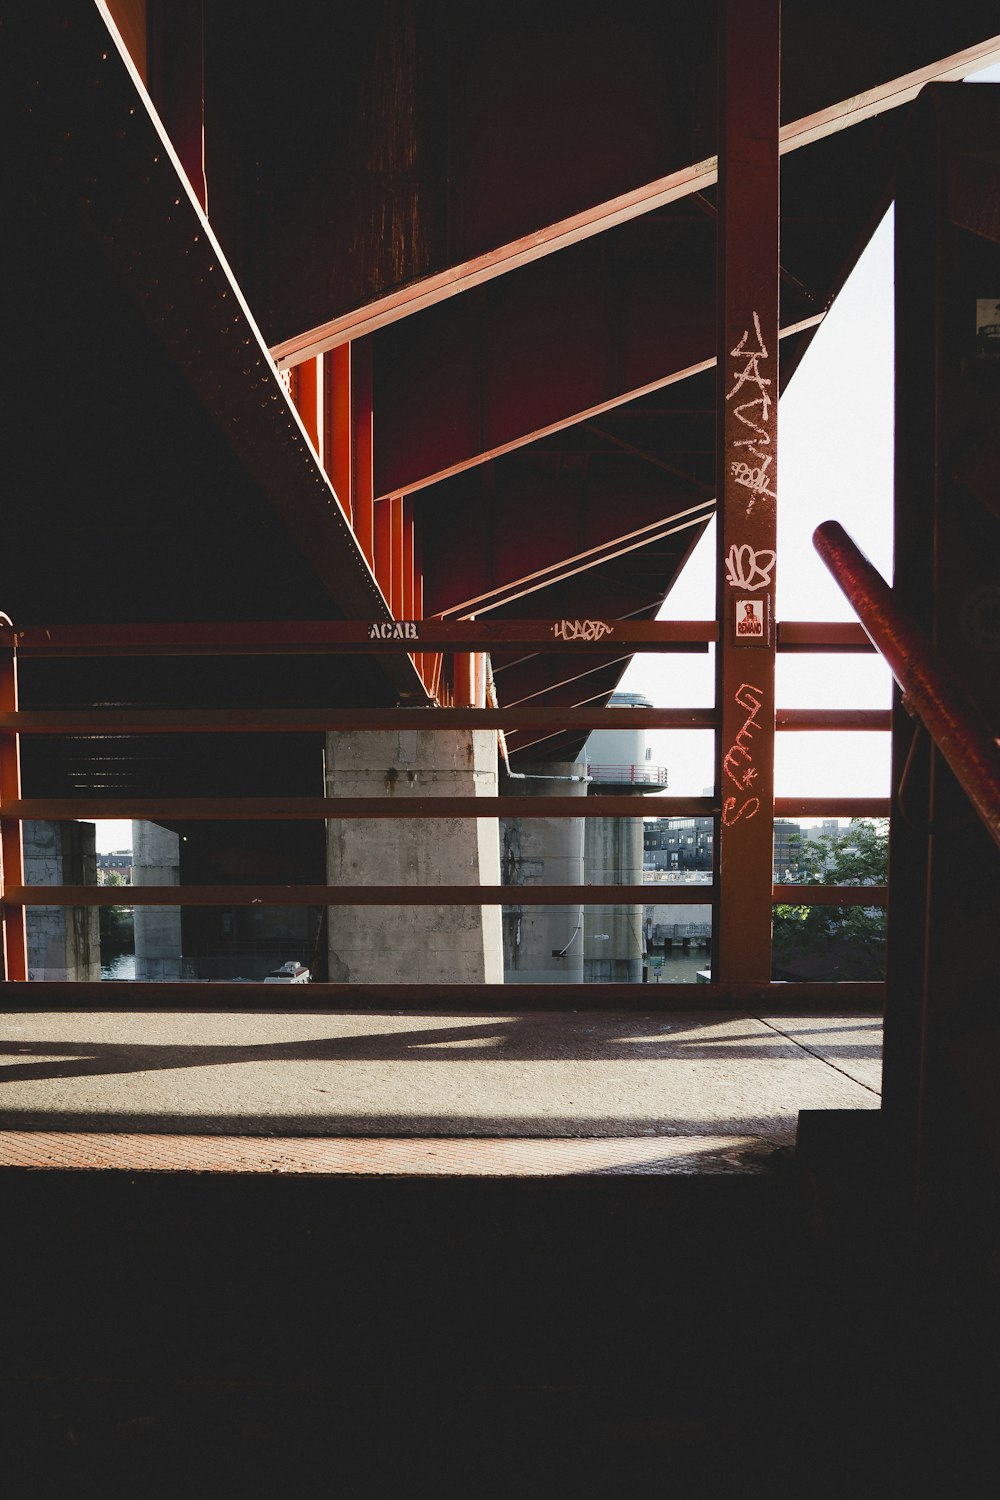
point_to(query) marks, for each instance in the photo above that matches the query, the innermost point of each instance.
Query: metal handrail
(16, 896)
(628, 773)
(959, 731)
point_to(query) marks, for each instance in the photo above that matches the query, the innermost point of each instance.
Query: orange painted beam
(15, 943)
(362, 448)
(395, 506)
(382, 539)
(339, 455)
(307, 390)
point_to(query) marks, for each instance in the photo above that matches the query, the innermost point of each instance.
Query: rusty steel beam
(581, 562)
(15, 942)
(361, 637)
(135, 995)
(830, 895)
(281, 809)
(747, 408)
(822, 635)
(140, 209)
(338, 437)
(405, 467)
(864, 720)
(493, 999)
(961, 733)
(346, 895)
(352, 637)
(831, 807)
(362, 449)
(402, 302)
(300, 721)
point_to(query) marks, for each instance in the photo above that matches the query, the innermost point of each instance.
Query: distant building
(120, 861)
(678, 843)
(689, 844)
(787, 843)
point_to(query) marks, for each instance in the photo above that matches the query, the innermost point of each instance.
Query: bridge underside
(350, 319)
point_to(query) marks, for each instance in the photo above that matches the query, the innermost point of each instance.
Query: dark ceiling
(156, 470)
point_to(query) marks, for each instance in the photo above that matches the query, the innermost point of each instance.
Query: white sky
(838, 407)
(839, 402)
(835, 432)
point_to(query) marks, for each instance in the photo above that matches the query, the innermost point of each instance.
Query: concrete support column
(613, 856)
(544, 944)
(156, 860)
(64, 942)
(414, 944)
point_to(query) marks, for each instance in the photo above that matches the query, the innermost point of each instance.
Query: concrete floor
(725, 1087)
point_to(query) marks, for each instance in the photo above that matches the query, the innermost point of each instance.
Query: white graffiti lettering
(755, 415)
(749, 569)
(393, 630)
(581, 630)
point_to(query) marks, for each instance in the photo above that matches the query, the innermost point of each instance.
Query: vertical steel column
(383, 549)
(15, 945)
(309, 400)
(939, 1072)
(425, 661)
(409, 592)
(339, 456)
(396, 524)
(362, 444)
(749, 51)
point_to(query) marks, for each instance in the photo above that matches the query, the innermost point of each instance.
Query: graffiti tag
(738, 763)
(747, 569)
(581, 630)
(393, 630)
(754, 414)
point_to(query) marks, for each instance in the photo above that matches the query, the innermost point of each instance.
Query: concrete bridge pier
(414, 944)
(156, 860)
(544, 944)
(64, 942)
(613, 949)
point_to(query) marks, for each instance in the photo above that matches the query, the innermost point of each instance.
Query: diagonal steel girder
(532, 366)
(402, 302)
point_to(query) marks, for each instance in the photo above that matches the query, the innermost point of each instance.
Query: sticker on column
(750, 617)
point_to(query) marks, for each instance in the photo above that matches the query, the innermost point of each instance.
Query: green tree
(835, 942)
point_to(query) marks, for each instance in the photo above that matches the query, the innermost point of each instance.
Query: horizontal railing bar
(309, 637)
(348, 895)
(140, 995)
(823, 635)
(831, 807)
(227, 809)
(85, 721)
(830, 895)
(298, 721)
(834, 718)
(651, 893)
(249, 809)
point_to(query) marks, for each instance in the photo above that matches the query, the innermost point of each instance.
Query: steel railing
(959, 731)
(295, 638)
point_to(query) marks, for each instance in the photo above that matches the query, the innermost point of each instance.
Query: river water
(680, 967)
(122, 966)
